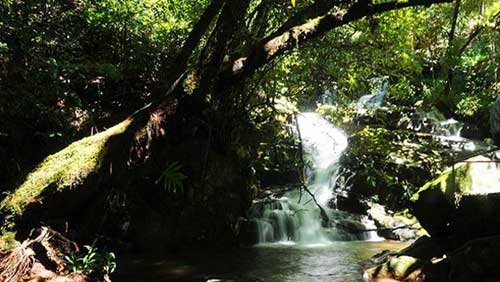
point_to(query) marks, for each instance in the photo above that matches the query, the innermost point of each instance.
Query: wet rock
(352, 204)
(477, 260)
(400, 268)
(424, 260)
(379, 259)
(472, 131)
(394, 227)
(248, 232)
(424, 248)
(462, 203)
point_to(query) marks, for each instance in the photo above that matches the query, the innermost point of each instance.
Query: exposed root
(18, 263)
(37, 258)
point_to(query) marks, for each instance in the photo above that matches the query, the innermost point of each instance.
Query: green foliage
(91, 261)
(389, 162)
(410, 46)
(172, 178)
(8, 241)
(341, 116)
(74, 67)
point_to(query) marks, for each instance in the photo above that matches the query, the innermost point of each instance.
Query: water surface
(336, 261)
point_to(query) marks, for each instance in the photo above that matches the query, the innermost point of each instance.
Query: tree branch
(471, 37)
(320, 7)
(296, 36)
(180, 63)
(449, 53)
(220, 41)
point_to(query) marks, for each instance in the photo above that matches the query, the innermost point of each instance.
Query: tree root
(38, 258)
(18, 263)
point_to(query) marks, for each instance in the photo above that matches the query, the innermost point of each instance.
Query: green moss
(403, 265)
(62, 170)
(8, 241)
(451, 181)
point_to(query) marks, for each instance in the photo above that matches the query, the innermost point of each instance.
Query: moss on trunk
(63, 170)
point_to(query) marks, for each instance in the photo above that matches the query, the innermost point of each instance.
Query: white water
(374, 100)
(295, 217)
(448, 132)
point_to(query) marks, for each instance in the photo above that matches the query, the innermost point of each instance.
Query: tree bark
(179, 65)
(308, 29)
(450, 53)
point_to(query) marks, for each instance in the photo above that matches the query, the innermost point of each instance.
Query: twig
(324, 216)
(297, 211)
(383, 229)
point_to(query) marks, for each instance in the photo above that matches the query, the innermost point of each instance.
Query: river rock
(424, 248)
(399, 268)
(423, 260)
(248, 232)
(351, 203)
(392, 226)
(461, 204)
(477, 260)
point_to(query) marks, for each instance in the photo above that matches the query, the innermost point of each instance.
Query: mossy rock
(400, 268)
(461, 204)
(472, 177)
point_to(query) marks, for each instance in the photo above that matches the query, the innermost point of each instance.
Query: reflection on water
(337, 261)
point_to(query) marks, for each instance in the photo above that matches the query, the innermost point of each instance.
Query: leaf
(172, 177)
(293, 3)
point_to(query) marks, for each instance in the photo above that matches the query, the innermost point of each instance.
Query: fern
(172, 178)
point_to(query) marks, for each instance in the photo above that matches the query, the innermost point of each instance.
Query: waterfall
(295, 216)
(374, 100)
(448, 132)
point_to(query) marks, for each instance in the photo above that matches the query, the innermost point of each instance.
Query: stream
(340, 261)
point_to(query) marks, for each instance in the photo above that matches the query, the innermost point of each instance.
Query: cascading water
(448, 132)
(296, 216)
(374, 100)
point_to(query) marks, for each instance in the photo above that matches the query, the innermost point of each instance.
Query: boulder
(476, 216)
(476, 260)
(394, 226)
(398, 268)
(424, 248)
(351, 204)
(462, 203)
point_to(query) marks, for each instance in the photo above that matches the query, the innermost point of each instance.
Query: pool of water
(277, 262)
